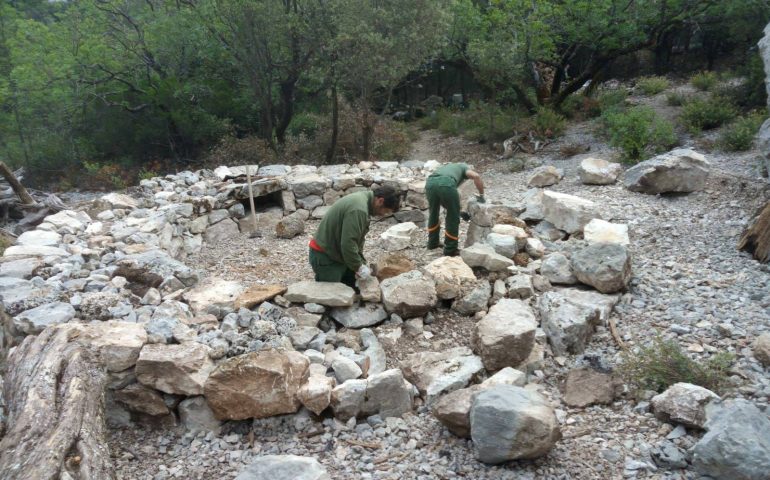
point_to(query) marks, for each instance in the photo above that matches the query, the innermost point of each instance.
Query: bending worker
(441, 190)
(337, 249)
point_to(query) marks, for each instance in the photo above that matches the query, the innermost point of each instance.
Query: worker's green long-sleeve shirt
(455, 171)
(343, 229)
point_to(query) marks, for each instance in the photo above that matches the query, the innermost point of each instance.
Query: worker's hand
(481, 199)
(363, 272)
(465, 216)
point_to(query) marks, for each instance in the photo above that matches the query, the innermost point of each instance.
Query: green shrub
(303, 124)
(663, 363)
(676, 99)
(548, 124)
(480, 122)
(612, 100)
(704, 114)
(739, 135)
(704, 81)
(652, 85)
(639, 131)
(580, 107)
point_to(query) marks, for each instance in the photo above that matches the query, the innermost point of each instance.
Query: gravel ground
(687, 272)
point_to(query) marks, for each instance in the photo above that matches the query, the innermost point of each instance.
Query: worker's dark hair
(391, 196)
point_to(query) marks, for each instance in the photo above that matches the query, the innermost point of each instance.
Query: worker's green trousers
(327, 270)
(442, 192)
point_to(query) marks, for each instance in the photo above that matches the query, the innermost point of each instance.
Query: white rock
(595, 171)
(39, 238)
(450, 274)
(482, 255)
(399, 236)
(600, 231)
(568, 212)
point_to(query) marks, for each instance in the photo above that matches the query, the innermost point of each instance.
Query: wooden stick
(251, 200)
(614, 331)
(24, 196)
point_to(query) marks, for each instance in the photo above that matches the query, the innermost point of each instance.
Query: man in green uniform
(441, 190)
(336, 250)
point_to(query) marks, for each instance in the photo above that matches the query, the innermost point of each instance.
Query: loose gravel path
(690, 283)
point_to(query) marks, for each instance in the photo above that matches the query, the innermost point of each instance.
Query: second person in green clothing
(337, 249)
(441, 190)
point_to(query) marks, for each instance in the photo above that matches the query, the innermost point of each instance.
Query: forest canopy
(110, 85)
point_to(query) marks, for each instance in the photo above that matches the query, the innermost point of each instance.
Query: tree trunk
(54, 396)
(756, 238)
(24, 196)
(524, 100)
(332, 151)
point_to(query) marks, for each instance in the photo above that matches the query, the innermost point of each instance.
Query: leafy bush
(704, 81)
(739, 135)
(480, 122)
(303, 124)
(612, 100)
(652, 85)
(104, 176)
(639, 131)
(676, 99)
(548, 124)
(704, 114)
(663, 363)
(580, 107)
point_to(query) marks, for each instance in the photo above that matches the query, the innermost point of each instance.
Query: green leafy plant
(548, 124)
(639, 131)
(652, 85)
(612, 100)
(704, 114)
(704, 81)
(663, 363)
(145, 174)
(580, 107)
(303, 124)
(676, 99)
(739, 135)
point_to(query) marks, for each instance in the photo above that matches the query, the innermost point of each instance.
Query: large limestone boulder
(117, 344)
(604, 266)
(34, 320)
(453, 409)
(509, 423)
(257, 385)
(213, 292)
(506, 335)
(19, 251)
(545, 176)
(586, 386)
(196, 416)
(449, 274)
(595, 171)
(737, 444)
(569, 317)
(316, 393)
(359, 316)
(484, 256)
(284, 467)
(437, 373)
(568, 212)
(153, 267)
(680, 170)
(308, 184)
(39, 238)
(178, 369)
(683, 403)
(410, 294)
(600, 231)
(386, 394)
(222, 231)
(322, 293)
(399, 236)
(392, 265)
(256, 294)
(505, 245)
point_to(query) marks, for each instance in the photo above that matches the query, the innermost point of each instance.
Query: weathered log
(54, 396)
(756, 238)
(24, 196)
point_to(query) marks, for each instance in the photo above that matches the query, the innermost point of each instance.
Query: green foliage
(676, 99)
(663, 363)
(704, 81)
(612, 101)
(548, 124)
(739, 135)
(145, 174)
(480, 122)
(704, 114)
(638, 132)
(652, 85)
(580, 107)
(303, 124)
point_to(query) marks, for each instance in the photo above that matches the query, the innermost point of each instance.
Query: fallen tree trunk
(756, 238)
(54, 396)
(24, 196)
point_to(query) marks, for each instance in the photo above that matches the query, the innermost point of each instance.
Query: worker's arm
(476, 180)
(351, 244)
